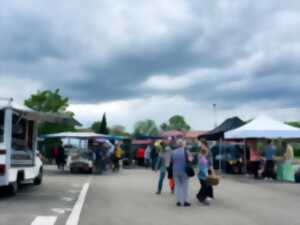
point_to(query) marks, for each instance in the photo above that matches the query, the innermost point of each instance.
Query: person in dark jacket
(61, 157)
(153, 157)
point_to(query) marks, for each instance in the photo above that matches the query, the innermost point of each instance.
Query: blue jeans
(161, 180)
(181, 187)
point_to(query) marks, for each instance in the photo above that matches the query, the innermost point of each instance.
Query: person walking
(206, 190)
(104, 157)
(285, 170)
(255, 158)
(110, 149)
(140, 154)
(61, 156)
(168, 155)
(179, 163)
(117, 157)
(147, 156)
(97, 157)
(56, 155)
(269, 154)
(153, 157)
(161, 166)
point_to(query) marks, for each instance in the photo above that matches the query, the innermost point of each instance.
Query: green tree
(48, 101)
(100, 127)
(146, 127)
(294, 124)
(53, 102)
(164, 127)
(103, 128)
(118, 130)
(176, 122)
(96, 126)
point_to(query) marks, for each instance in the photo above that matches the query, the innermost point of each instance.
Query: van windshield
(1, 125)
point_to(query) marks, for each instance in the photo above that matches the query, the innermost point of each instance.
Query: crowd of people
(105, 155)
(174, 161)
(265, 164)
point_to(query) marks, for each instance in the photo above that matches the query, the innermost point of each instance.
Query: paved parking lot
(128, 198)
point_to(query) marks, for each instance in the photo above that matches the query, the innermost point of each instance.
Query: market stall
(264, 127)
(217, 134)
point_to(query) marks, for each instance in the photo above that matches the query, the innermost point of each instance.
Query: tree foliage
(48, 101)
(118, 130)
(96, 126)
(176, 122)
(53, 102)
(164, 127)
(294, 124)
(100, 127)
(103, 128)
(146, 128)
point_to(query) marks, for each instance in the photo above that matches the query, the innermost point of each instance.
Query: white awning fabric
(264, 127)
(30, 114)
(76, 135)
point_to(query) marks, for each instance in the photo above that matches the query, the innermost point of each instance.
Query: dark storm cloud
(26, 38)
(104, 51)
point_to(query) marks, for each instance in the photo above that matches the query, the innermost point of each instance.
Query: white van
(19, 158)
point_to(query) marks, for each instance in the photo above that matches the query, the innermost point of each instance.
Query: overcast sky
(152, 59)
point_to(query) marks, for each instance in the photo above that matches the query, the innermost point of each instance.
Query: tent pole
(220, 154)
(245, 156)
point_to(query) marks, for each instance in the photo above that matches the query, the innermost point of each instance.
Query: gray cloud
(104, 51)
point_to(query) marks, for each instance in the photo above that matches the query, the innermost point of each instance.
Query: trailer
(80, 157)
(19, 158)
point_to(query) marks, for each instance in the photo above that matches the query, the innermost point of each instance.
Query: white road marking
(61, 210)
(72, 191)
(67, 199)
(44, 220)
(75, 186)
(75, 214)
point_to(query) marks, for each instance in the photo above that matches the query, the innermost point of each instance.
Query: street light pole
(220, 140)
(215, 115)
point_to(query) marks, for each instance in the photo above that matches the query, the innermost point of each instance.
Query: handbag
(213, 180)
(189, 170)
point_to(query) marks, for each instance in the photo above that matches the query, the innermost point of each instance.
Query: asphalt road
(129, 198)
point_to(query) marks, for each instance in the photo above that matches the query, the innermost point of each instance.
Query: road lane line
(67, 199)
(75, 214)
(44, 220)
(61, 210)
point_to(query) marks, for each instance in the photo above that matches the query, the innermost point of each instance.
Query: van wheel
(13, 188)
(39, 179)
(73, 170)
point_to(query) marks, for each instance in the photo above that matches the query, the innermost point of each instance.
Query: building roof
(172, 133)
(194, 134)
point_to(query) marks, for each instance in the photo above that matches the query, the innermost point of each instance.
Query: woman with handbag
(206, 189)
(181, 178)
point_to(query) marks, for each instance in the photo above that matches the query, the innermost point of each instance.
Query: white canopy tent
(264, 127)
(76, 135)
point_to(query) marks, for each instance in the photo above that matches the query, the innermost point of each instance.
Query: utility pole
(215, 114)
(8, 100)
